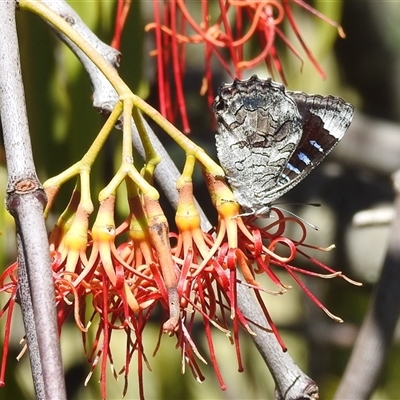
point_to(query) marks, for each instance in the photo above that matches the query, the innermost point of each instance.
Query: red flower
(228, 31)
(195, 278)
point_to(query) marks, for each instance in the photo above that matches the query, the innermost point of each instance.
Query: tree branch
(25, 201)
(291, 382)
(376, 335)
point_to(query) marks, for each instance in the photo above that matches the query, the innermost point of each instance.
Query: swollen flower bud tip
(187, 217)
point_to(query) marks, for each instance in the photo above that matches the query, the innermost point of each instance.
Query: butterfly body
(269, 139)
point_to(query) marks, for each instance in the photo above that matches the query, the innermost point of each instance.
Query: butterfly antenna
(315, 227)
(300, 204)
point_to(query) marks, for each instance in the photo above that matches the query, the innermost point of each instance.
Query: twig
(25, 201)
(291, 382)
(366, 363)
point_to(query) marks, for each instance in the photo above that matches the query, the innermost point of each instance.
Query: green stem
(119, 85)
(187, 173)
(41, 9)
(152, 158)
(84, 165)
(127, 167)
(182, 140)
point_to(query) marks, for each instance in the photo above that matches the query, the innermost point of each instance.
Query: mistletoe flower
(228, 33)
(203, 287)
(192, 274)
(8, 285)
(254, 250)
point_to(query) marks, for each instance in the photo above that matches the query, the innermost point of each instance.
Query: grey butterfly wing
(325, 120)
(259, 128)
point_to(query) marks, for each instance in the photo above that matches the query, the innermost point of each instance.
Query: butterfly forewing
(259, 128)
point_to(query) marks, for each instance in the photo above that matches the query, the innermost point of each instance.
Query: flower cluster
(113, 277)
(229, 31)
(192, 275)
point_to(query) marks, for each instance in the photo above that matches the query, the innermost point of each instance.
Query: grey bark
(25, 201)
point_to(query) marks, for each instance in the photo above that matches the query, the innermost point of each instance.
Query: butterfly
(270, 138)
